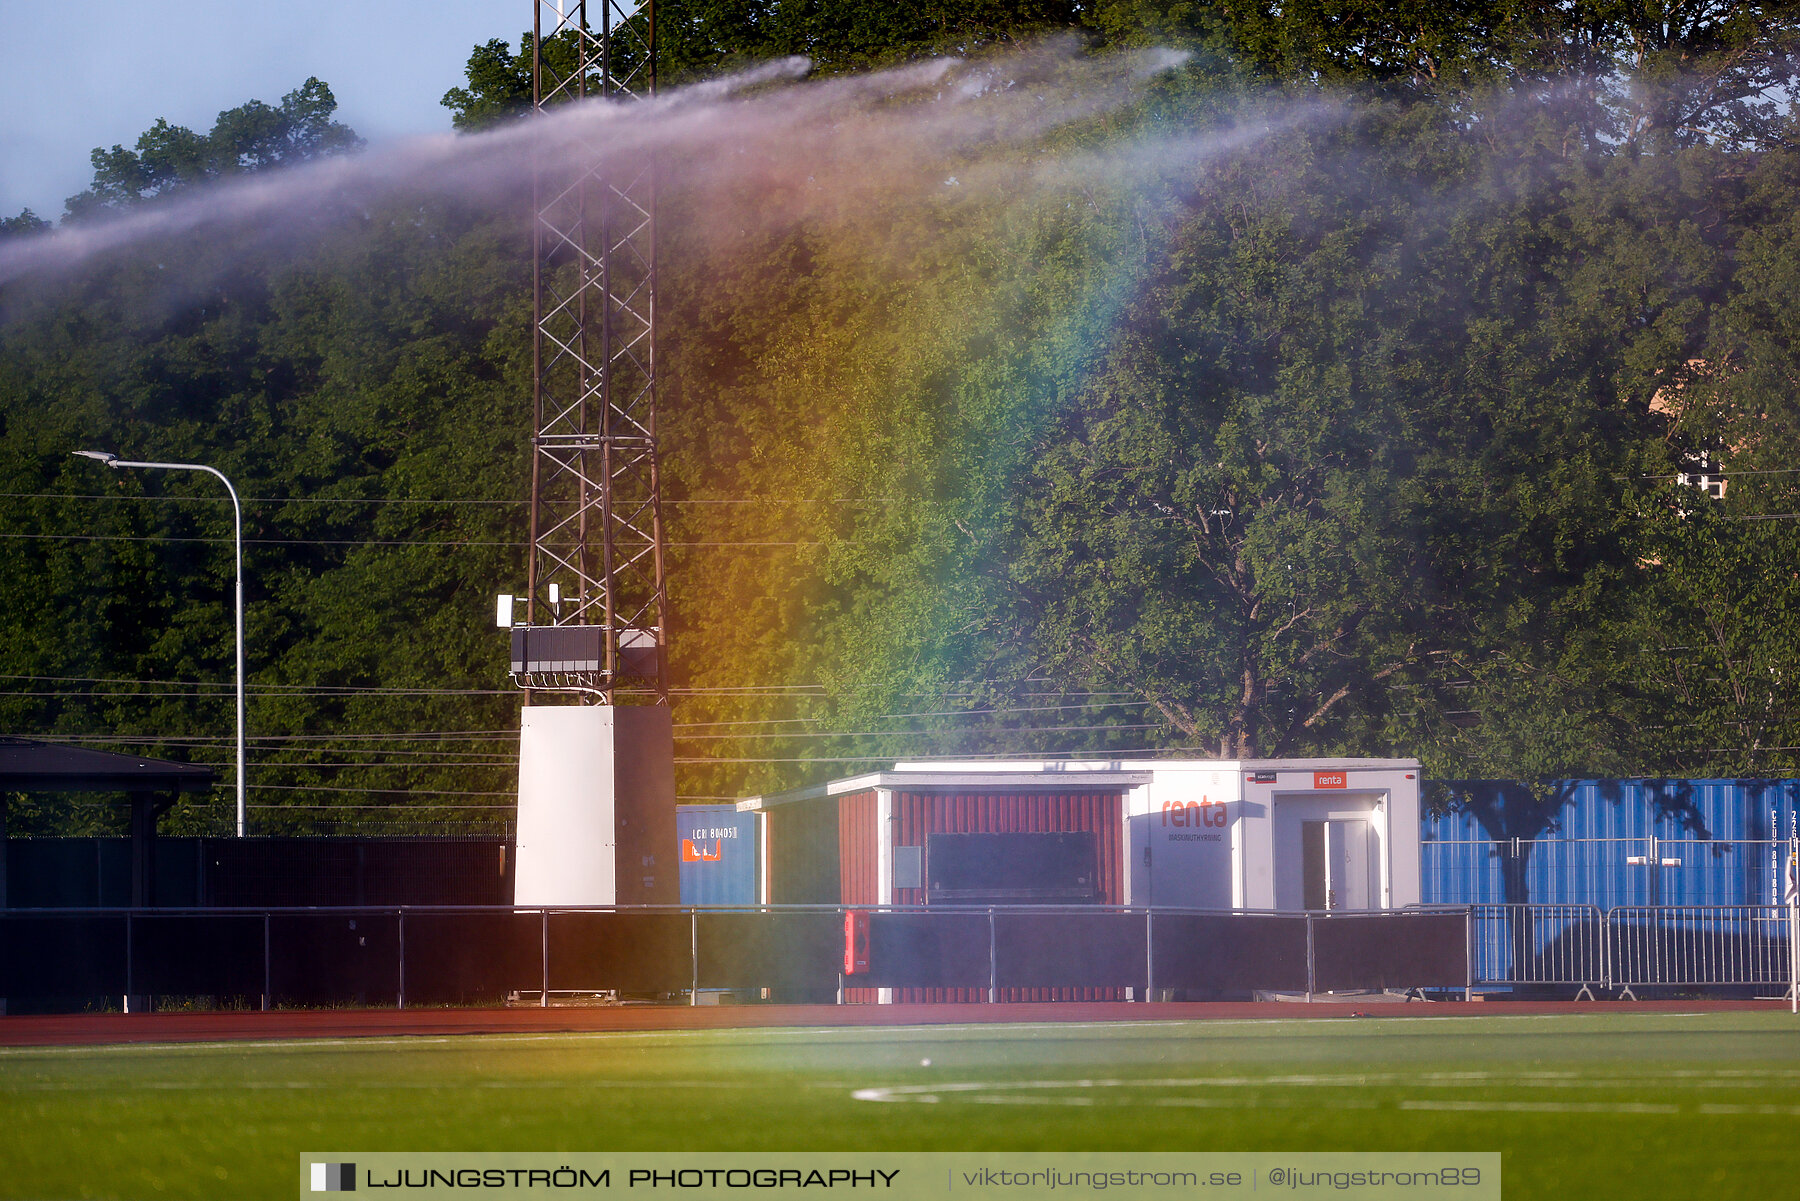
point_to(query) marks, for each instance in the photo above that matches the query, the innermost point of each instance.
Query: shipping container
(1607, 842)
(719, 856)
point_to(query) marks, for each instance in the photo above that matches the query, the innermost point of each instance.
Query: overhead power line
(1074, 781)
(447, 542)
(1713, 474)
(290, 765)
(394, 791)
(225, 693)
(406, 736)
(409, 500)
(909, 733)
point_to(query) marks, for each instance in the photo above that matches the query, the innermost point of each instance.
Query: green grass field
(1600, 1106)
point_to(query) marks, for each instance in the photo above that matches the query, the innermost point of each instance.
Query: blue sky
(76, 74)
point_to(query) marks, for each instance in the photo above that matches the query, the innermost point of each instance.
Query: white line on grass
(1259, 1103)
(112, 1086)
(1542, 1106)
(990, 1091)
(774, 1034)
(813, 1033)
(993, 1094)
(213, 1047)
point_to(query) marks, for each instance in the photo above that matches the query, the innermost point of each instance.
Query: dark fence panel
(623, 951)
(335, 958)
(69, 873)
(1389, 950)
(784, 951)
(1230, 953)
(472, 958)
(197, 954)
(62, 955)
(227, 873)
(257, 872)
(1069, 950)
(927, 950)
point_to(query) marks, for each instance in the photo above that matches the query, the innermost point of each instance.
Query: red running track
(100, 1028)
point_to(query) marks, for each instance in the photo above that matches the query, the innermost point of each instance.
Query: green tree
(27, 222)
(251, 137)
(1714, 660)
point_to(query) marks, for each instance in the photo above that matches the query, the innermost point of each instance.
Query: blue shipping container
(719, 856)
(1607, 842)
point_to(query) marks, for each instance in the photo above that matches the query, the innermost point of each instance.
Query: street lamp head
(101, 456)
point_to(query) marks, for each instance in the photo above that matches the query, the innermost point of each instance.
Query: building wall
(1277, 796)
(859, 849)
(918, 813)
(802, 853)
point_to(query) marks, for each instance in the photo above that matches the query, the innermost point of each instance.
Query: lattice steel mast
(596, 511)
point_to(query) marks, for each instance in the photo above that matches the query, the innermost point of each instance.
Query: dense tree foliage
(251, 137)
(1336, 395)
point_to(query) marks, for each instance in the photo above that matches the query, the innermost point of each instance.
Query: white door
(1347, 862)
(1336, 866)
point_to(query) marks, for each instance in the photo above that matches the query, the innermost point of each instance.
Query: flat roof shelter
(1287, 834)
(150, 786)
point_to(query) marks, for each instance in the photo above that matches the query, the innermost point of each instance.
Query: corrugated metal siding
(922, 813)
(1720, 830)
(1014, 812)
(859, 865)
(859, 850)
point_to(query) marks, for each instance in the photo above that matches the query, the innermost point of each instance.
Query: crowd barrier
(1630, 946)
(1698, 945)
(434, 956)
(1524, 945)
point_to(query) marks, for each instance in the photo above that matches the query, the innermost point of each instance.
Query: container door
(1315, 876)
(1347, 865)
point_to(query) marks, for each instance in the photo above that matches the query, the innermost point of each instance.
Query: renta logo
(1185, 814)
(1329, 779)
(699, 854)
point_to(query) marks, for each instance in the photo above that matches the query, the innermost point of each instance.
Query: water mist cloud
(754, 149)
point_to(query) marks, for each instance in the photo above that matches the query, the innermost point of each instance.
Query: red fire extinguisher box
(856, 943)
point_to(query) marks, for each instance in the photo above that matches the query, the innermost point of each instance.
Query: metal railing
(408, 955)
(1631, 946)
(1538, 944)
(1697, 945)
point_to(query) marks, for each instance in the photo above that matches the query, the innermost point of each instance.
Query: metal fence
(1698, 945)
(1631, 946)
(468, 955)
(473, 955)
(1538, 944)
(69, 873)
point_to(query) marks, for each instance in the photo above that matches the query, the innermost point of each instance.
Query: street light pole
(237, 517)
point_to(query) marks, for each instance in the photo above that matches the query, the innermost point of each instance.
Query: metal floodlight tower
(596, 781)
(595, 603)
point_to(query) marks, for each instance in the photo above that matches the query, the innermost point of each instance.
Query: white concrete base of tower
(596, 822)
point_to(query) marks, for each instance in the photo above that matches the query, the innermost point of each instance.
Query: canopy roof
(28, 766)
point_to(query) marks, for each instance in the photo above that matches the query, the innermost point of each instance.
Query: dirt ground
(187, 1026)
